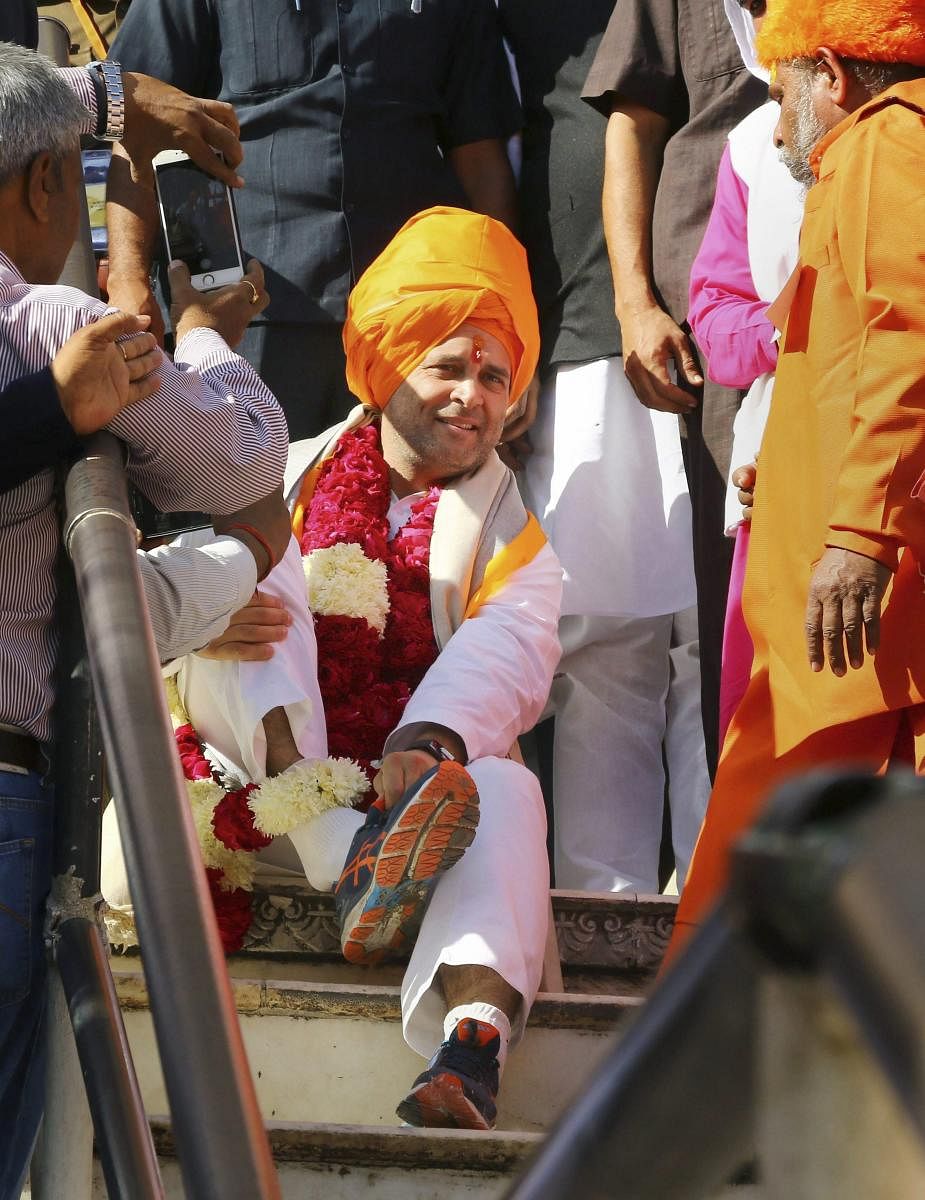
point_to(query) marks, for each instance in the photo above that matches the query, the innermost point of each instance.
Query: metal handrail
(221, 1143)
(80, 955)
(218, 1130)
(827, 885)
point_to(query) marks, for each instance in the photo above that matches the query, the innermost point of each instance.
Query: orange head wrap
(890, 31)
(443, 268)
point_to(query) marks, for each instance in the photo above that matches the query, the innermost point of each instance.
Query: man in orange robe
(838, 542)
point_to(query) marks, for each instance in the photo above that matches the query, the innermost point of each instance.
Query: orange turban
(890, 31)
(443, 268)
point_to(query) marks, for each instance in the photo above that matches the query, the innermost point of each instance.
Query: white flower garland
(341, 581)
(279, 804)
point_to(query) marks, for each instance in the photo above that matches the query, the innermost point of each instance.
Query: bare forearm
(635, 145)
(485, 173)
(282, 751)
(132, 220)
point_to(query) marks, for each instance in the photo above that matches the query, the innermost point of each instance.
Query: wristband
(111, 121)
(434, 748)
(258, 537)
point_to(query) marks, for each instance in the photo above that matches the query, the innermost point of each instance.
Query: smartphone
(198, 220)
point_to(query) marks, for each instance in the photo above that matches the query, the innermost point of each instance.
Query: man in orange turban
(435, 602)
(833, 592)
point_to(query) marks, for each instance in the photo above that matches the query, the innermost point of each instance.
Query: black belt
(19, 750)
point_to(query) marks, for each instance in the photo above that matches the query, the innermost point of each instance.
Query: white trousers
(608, 483)
(491, 909)
(627, 706)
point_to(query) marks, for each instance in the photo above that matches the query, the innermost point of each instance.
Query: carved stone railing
(626, 934)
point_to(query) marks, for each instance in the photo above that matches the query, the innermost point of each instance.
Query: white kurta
(489, 684)
(607, 481)
(773, 219)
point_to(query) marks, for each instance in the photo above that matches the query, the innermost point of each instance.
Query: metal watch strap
(111, 74)
(433, 747)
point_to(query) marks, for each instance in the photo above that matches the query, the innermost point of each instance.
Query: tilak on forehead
(446, 267)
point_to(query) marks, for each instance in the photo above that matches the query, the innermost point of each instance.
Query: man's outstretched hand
(652, 343)
(843, 609)
(161, 117)
(745, 478)
(399, 771)
(252, 631)
(97, 374)
(228, 310)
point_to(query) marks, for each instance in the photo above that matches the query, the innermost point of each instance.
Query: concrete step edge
(585, 1013)
(376, 1147)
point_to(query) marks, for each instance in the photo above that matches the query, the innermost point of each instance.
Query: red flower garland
(365, 680)
(233, 825)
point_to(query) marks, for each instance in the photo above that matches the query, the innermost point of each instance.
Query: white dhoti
(491, 909)
(607, 481)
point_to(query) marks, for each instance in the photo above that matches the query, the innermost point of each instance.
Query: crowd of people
(594, 330)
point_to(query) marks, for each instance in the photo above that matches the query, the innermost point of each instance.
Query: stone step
(343, 1162)
(331, 1052)
(610, 944)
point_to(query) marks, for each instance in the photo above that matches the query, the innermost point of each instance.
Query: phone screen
(198, 218)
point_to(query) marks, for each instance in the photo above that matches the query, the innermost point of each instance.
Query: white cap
(743, 26)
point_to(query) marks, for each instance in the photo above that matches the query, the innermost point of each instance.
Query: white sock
(481, 1012)
(322, 844)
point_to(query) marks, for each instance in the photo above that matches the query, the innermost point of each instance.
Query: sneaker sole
(430, 836)
(441, 1103)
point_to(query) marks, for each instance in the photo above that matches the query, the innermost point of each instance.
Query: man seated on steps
(435, 600)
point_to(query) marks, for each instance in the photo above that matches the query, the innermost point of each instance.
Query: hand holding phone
(198, 220)
(228, 310)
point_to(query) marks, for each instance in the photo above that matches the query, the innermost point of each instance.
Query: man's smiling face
(447, 416)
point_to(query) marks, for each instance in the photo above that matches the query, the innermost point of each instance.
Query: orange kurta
(842, 453)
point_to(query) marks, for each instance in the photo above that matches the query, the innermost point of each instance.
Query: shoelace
(471, 1061)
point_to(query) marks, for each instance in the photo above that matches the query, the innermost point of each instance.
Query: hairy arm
(635, 144)
(132, 220)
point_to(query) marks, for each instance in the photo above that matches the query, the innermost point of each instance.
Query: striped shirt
(211, 438)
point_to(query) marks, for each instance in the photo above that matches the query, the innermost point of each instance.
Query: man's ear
(838, 81)
(42, 180)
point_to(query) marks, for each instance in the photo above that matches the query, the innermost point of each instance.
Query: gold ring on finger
(121, 350)
(256, 296)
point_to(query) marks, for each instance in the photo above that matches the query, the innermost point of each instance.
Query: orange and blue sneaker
(396, 859)
(459, 1088)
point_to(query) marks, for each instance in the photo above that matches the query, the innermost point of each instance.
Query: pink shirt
(726, 314)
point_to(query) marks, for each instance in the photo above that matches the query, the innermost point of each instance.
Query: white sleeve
(492, 679)
(227, 701)
(192, 591)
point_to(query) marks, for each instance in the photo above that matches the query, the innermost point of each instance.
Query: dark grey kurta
(554, 44)
(680, 59)
(347, 110)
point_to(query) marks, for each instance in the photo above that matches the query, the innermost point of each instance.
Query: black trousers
(708, 447)
(304, 366)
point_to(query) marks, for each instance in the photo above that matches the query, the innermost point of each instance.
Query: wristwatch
(434, 748)
(107, 80)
